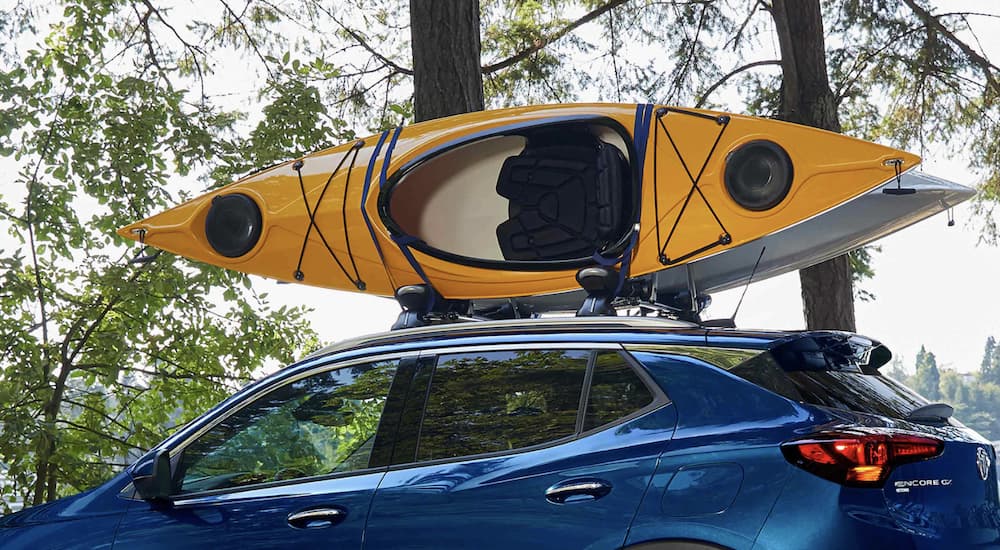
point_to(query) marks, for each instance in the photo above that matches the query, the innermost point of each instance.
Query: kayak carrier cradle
(606, 295)
(422, 305)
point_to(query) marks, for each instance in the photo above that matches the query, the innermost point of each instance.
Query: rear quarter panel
(723, 470)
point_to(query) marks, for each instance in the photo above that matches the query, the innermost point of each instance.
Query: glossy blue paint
(706, 466)
(730, 434)
(702, 489)
(499, 502)
(253, 518)
(87, 520)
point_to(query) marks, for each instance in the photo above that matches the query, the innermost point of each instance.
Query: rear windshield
(845, 388)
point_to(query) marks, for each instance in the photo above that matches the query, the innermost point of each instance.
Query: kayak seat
(566, 200)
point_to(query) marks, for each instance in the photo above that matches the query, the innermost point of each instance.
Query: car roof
(506, 326)
(541, 326)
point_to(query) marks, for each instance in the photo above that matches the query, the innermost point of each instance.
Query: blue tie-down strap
(625, 259)
(640, 134)
(404, 242)
(364, 194)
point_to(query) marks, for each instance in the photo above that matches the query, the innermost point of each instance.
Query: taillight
(859, 459)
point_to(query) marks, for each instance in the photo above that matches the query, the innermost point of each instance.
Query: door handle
(576, 490)
(316, 518)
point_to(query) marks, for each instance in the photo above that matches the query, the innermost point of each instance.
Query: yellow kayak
(513, 202)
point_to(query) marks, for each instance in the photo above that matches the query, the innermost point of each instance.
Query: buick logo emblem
(983, 461)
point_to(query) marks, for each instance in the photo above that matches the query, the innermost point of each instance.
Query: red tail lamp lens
(859, 460)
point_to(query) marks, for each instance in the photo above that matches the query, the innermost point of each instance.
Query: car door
(296, 466)
(531, 447)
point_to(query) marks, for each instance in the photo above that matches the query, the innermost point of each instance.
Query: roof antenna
(731, 322)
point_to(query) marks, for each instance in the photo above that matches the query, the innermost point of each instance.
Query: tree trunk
(827, 289)
(45, 469)
(447, 78)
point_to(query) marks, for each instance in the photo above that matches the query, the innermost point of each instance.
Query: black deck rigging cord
(311, 211)
(725, 237)
(343, 216)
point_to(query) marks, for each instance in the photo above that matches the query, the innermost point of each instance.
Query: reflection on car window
(616, 391)
(869, 393)
(841, 389)
(497, 401)
(318, 425)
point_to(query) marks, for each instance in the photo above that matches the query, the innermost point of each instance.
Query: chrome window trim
(266, 490)
(179, 447)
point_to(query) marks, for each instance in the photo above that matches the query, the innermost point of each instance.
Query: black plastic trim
(386, 432)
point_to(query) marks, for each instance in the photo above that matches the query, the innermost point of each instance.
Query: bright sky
(933, 285)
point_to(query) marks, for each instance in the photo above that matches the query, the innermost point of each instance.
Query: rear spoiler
(830, 350)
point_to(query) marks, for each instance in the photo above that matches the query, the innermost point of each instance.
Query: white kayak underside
(851, 225)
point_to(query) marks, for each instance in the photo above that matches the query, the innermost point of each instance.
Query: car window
(497, 401)
(852, 390)
(322, 424)
(616, 391)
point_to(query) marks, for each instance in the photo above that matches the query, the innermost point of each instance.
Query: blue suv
(554, 433)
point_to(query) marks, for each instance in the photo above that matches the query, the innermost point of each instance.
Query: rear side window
(616, 391)
(497, 401)
(847, 388)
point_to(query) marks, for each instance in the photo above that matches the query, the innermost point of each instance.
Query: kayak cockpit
(527, 198)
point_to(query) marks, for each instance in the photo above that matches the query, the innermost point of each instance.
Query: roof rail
(519, 326)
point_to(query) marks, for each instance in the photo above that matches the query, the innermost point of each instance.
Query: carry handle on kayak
(143, 256)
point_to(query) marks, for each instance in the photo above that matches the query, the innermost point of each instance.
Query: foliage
(927, 379)
(322, 424)
(537, 392)
(989, 370)
(975, 395)
(101, 358)
(938, 86)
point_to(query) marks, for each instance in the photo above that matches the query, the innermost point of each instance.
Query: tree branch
(734, 72)
(191, 48)
(738, 35)
(100, 434)
(935, 24)
(13, 216)
(857, 69)
(545, 41)
(686, 66)
(364, 44)
(98, 412)
(250, 38)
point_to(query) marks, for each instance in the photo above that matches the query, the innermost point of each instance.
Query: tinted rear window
(847, 388)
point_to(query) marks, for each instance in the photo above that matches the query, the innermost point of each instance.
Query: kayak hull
(854, 224)
(336, 218)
